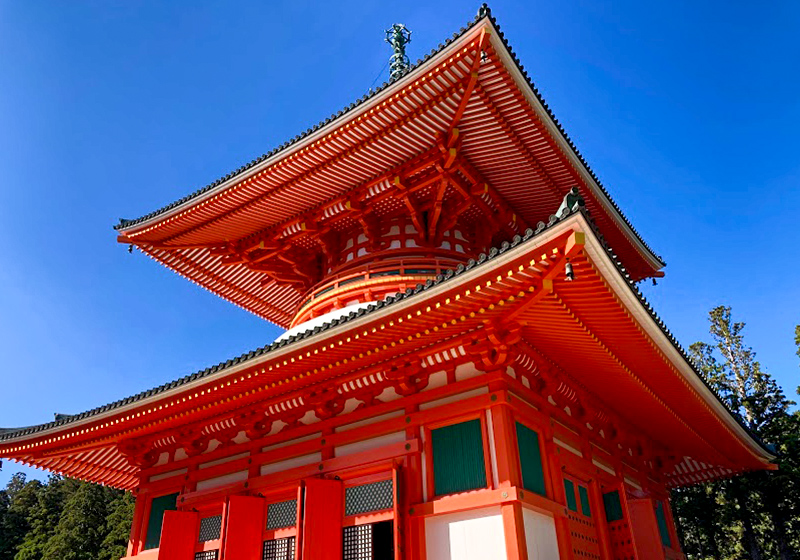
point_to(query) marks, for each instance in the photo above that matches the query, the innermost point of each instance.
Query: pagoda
(469, 370)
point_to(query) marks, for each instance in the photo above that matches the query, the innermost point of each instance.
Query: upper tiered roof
(470, 101)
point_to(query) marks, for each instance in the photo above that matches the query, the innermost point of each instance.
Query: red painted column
(552, 454)
(646, 538)
(134, 541)
(673, 530)
(600, 523)
(514, 529)
(503, 428)
(323, 513)
(508, 475)
(244, 526)
(178, 535)
(410, 492)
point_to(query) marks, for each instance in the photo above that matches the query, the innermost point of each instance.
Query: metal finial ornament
(398, 37)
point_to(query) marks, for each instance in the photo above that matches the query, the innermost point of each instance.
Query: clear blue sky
(689, 112)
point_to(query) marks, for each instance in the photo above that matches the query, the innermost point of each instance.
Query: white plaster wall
(369, 444)
(466, 371)
(223, 460)
(467, 535)
(370, 420)
(222, 480)
(162, 476)
(291, 463)
(454, 398)
(540, 535)
(436, 380)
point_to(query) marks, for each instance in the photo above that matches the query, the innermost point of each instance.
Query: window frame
(430, 483)
(205, 510)
(535, 428)
(148, 510)
(278, 496)
(578, 483)
(370, 517)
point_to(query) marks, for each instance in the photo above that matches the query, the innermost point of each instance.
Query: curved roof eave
(376, 96)
(258, 355)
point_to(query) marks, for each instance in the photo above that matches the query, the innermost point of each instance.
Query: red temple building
(469, 370)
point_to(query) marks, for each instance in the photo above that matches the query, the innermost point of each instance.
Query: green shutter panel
(458, 461)
(586, 509)
(569, 488)
(662, 524)
(613, 506)
(157, 508)
(530, 458)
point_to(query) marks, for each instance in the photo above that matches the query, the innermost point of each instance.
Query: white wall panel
(540, 535)
(222, 480)
(467, 535)
(369, 444)
(287, 464)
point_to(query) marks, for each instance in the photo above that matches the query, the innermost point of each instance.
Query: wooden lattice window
(569, 489)
(458, 457)
(210, 528)
(374, 541)
(279, 549)
(613, 506)
(375, 496)
(530, 459)
(583, 494)
(282, 514)
(663, 529)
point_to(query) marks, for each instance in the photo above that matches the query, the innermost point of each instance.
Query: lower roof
(655, 371)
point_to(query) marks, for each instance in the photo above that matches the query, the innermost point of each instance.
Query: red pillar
(552, 453)
(646, 538)
(322, 519)
(134, 542)
(178, 535)
(514, 529)
(245, 524)
(508, 475)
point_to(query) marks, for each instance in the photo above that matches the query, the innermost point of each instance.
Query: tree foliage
(63, 519)
(756, 515)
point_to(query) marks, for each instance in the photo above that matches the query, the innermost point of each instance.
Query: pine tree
(44, 517)
(760, 508)
(21, 496)
(63, 519)
(118, 528)
(81, 527)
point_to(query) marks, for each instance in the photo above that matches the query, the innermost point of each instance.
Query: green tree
(44, 517)
(63, 519)
(22, 497)
(115, 544)
(81, 527)
(754, 515)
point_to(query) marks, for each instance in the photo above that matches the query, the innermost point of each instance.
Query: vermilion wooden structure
(470, 370)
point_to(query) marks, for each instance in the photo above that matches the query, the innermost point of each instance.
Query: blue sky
(687, 111)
